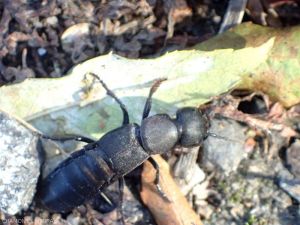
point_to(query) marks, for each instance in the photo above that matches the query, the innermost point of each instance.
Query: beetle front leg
(148, 103)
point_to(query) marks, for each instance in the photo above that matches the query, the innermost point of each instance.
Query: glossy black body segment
(86, 171)
(122, 149)
(118, 152)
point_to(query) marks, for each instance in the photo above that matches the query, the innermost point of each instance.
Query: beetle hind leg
(112, 94)
(103, 203)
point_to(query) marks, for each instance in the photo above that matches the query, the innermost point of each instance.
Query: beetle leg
(156, 181)
(153, 89)
(103, 203)
(104, 196)
(121, 193)
(74, 138)
(112, 94)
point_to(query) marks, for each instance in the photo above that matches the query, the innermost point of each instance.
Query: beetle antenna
(112, 94)
(221, 137)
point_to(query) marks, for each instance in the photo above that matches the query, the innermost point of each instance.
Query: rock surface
(225, 154)
(292, 187)
(293, 158)
(251, 196)
(19, 165)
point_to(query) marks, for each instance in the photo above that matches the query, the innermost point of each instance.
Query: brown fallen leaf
(177, 211)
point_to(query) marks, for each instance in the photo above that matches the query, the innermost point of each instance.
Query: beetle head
(192, 125)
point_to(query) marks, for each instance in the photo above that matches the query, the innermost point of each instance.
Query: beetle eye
(158, 134)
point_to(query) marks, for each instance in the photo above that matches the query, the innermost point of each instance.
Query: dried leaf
(65, 106)
(276, 76)
(176, 212)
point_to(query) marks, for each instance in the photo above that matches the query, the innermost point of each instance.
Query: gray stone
(291, 186)
(250, 195)
(19, 165)
(226, 153)
(293, 158)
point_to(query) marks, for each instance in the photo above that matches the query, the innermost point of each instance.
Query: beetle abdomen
(75, 181)
(80, 176)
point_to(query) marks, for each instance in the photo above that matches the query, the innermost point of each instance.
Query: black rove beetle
(87, 171)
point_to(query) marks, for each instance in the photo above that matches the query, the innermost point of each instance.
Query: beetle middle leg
(121, 195)
(125, 121)
(146, 112)
(73, 138)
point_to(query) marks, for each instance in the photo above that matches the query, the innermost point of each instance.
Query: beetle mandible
(118, 152)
